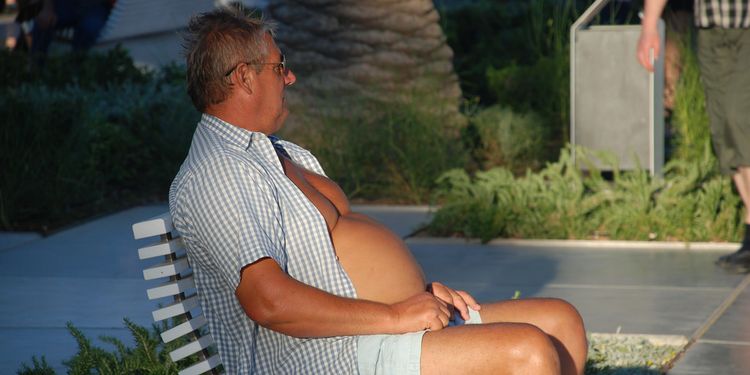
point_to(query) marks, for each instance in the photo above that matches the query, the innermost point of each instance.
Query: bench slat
(161, 249)
(166, 269)
(183, 329)
(191, 348)
(177, 308)
(171, 288)
(202, 367)
(157, 226)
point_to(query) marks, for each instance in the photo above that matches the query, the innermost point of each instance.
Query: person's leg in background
(91, 19)
(61, 15)
(724, 56)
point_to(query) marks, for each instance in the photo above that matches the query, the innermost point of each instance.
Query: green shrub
(385, 151)
(38, 367)
(86, 70)
(483, 34)
(149, 356)
(71, 151)
(689, 116)
(517, 141)
(691, 203)
(542, 87)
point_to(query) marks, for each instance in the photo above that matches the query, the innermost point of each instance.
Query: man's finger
(460, 304)
(469, 300)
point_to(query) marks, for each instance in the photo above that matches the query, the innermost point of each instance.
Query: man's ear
(246, 78)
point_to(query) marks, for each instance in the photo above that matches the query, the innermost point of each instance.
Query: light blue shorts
(398, 354)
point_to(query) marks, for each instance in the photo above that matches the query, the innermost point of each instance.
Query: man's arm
(278, 302)
(649, 32)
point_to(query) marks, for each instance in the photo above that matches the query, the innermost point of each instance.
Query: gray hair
(215, 42)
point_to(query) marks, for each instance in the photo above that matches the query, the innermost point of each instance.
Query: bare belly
(378, 262)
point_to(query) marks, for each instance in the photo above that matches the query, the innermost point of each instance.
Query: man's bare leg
(533, 336)
(494, 348)
(557, 318)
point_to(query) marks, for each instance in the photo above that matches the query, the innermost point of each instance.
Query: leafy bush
(149, 356)
(484, 34)
(517, 141)
(692, 203)
(85, 70)
(542, 87)
(384, 151)
(76, 148)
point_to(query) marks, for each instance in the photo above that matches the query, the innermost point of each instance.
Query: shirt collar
(238, 136)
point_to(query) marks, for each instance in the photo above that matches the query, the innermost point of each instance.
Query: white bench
(177, 283)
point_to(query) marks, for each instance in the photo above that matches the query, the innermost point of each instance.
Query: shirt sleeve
(236, 216)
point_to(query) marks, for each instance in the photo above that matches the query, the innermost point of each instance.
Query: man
(724, 58)
(291, 280)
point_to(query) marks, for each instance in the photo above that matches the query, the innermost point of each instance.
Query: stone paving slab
(9, 240)
(734, 324)
(714, 358)
(655, 292)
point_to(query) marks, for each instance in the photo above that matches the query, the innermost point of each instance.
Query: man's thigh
(544, 313)
(496, 348)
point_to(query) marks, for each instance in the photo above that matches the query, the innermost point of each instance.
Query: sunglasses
(279, 67)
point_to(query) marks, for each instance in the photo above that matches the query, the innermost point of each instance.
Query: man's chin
(281, 119)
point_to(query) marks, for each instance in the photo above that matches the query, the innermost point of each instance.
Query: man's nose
(289, 78)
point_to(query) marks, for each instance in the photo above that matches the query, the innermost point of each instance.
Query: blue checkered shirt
(233, 204)
(726, 14)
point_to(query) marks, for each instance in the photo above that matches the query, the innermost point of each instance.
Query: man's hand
(649, 40)
(455, 299)
(420, 312)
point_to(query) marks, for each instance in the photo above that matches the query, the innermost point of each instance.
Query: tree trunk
(382, 50)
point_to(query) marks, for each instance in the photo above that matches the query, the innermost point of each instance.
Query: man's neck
(230, 115)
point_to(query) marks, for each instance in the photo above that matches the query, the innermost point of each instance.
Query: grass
(630, 354)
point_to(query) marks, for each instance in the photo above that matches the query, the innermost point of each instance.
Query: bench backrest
(177, 284)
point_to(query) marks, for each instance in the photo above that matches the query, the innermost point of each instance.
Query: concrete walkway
(90, 275)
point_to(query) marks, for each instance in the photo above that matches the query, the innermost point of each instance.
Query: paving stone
(711, 358)
(734, 324)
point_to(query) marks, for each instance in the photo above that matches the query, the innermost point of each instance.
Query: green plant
(86, 70)
(689, 117)
(382, 151)
(38, 367)
(149, 356)
(481, 34)
(516, 141)
(691, 203)
(68, 152)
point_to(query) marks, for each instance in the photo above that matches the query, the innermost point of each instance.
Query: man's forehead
(273, 49)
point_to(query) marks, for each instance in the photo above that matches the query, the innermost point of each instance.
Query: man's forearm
(278, 302)
(652, 10)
